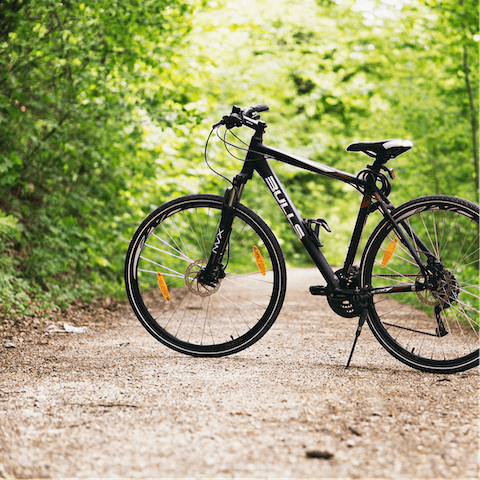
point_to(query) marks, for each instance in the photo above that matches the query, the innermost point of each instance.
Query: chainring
(344, 305)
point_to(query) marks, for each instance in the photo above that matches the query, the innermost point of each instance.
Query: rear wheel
(165, 257)
(436, 329)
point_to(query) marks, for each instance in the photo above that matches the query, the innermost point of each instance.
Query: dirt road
(113, 402)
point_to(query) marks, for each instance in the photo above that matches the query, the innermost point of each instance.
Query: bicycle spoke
(206, 319)
(241, 297)
(255, 276)
(394, 271)
(395, 255)
(229, 278)
(435, 250)
(437, 328)
(238, 309)
(181, 257)
(159, 265)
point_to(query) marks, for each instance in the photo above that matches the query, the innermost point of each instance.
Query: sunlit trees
(105, 106)
(76, 82)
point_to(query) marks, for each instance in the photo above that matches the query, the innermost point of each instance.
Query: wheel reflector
(389, 252)
(259, 259)
(163, 286)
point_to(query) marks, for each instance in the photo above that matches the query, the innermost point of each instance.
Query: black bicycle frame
(256, 161)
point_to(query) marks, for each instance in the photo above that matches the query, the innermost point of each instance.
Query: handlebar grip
(261, 107)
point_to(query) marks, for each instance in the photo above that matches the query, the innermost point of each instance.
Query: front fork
(214, 271)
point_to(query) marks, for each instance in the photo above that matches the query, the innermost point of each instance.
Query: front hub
(193, 280)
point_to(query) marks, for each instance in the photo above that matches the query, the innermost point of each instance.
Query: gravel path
(113, 402)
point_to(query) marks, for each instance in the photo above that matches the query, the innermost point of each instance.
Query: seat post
(379, 162)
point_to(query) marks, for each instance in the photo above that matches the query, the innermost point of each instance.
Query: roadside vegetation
(105, 107)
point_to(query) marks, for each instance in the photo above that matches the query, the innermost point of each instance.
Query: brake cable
(206, 157)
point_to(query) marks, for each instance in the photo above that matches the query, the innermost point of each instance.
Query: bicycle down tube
(296, 221)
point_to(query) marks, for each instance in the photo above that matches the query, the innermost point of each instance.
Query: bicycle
(206, 276)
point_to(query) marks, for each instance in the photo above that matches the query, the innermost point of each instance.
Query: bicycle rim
(167, 253)
(435, 330)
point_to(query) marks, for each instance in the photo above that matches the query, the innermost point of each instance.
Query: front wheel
(434, 329)
(162, 268)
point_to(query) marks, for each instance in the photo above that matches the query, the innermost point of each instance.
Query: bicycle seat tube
(385, 206)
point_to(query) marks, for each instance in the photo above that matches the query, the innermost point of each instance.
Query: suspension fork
(215, 270)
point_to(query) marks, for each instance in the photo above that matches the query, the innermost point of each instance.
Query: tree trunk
(473, 114)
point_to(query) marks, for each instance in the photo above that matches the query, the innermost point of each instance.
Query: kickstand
(361, 321)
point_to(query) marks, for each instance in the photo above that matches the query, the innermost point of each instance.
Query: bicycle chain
(396, 276)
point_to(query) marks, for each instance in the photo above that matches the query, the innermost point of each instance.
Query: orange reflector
(259, 259)
(163, 286)
(389, 252)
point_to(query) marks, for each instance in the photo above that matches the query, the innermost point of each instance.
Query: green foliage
(76, 83)
(336, 72)
(105, 107)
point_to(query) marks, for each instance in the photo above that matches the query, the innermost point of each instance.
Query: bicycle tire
(409, 325)
(176, 240)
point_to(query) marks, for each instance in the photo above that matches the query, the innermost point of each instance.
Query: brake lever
(230, 121)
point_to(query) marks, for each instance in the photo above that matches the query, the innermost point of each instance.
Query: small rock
(319, 454)
(54, 329)
(9, 345)
(72, 329)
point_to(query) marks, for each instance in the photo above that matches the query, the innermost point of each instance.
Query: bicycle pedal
(318, 290)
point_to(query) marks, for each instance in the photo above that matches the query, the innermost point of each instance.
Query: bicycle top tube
(307, 164)
(257, 150)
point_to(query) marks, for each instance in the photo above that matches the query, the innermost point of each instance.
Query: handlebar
(248, 116)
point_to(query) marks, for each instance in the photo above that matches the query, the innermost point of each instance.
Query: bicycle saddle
(385, 149)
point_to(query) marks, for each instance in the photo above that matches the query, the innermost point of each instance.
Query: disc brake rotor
(446, 292)
(191, 280)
